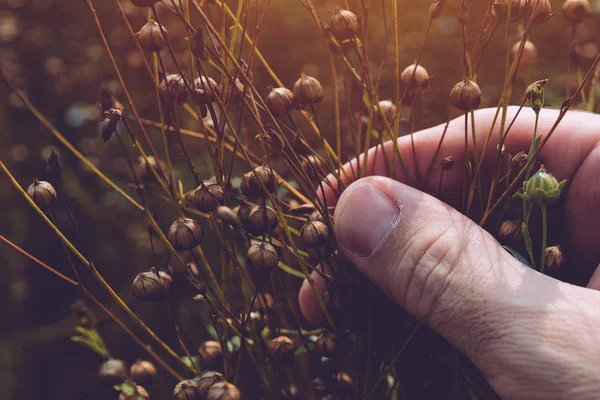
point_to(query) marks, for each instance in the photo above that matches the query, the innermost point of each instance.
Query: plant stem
(544, 237)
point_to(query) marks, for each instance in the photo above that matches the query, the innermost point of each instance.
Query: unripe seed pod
(555, 258)
(510, 231)
(142, 394)
(227, 216)
(110, 123)
(206, 90)
(280, 101)
(576, 10)
(419, 82)
(519, 161)
(151, 38)
(500, 9)
(148, 286)
(197, 46)
(142, 372)
(186, 390)
(343, 24)
(314, 234)
(144, 3)
(529, 53)
(447, 163)
(466, 95)
(313, 168)
(262, 256)
(262, 220)
(211, 354)
(543, 188)
(173, 90)
(42, 193)
(436, 8)
(223, 391)
(208, 197)
(206, 381)
(538, 11)
(388, 109)
(185, 234)
(307, 90)
(326, 344)
(281, 350)
(112, 372)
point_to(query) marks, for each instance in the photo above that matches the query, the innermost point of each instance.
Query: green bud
(543, 188)
(535, 94)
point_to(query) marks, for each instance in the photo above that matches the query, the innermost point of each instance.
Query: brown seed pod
(466, 95)
(500, 9)
(144, 3)
(112, 372)
(436, 8)
(419, 82)
(316, 216)
(142, 394)
(555, 258)
(262, 256)
(223, 391)
(151, 38)
(313, 168)
(320, 253)
(110, 123)
(529, 53)
(186, 390)
(280, 101)
(142, 372)
(251, 186)
(42, 193)
(262, 220)
(326, 344)
(343, 24)
(343, 381)
(264, 302)
(537, 11)
(206, 90)
(447, 163)
(211, 354)
(148, 286)
(281, 350)
(510, 231)
(208, 197)
(519, 161)
(314, 234)
(206, 381)
(197, 45)
(389, 113)
(576, 10)
(144, 169)
(228, 216)
(307, 90)
(185, 234)
(173, 90)
(243, 213)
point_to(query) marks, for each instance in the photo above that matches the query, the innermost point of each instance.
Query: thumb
(449, 273)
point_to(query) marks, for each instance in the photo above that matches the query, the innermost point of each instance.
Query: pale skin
(532, 336)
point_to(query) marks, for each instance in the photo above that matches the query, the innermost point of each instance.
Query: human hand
(532, 336)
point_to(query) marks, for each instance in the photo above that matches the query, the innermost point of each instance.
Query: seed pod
(251, 186)
(313, 168)
(500, 9)
(529, 53)
(110, 123)
(314, 234)
(316, 216)
(197, 46)
(42, 193)
(208, 197)
(264, 302)
(186, 390)
(555, 258)
(151, 38)
(223, 391)
(206, 90)
(173, 90)
(318, 254)
(466, 95)
(262, 256)
(142, 394)
(211, 354)
(576, 10)
(185, 234)
(142, 372)
(243, 213)
(436, 9)
(307, 90)
(447, 163)
(343, 381)
(206, 381)
(281, 350)
(463, 14)
(326, 344)
(112, 372)
(262, 220)
(227, 216)
(280, 101)
(388, 109)
(417, 83)
(510, 231)
(519, 161)
(343, 24)
(144, 3)
(148, 286)
(537, 11)
(543, 188)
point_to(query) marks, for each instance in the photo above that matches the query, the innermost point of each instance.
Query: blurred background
(53, 53)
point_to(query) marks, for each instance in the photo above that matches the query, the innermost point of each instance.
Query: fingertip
(309, 305)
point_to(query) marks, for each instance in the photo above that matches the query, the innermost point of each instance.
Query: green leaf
(528, 243)
(517, 255)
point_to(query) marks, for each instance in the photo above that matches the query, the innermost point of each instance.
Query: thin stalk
(544, 237)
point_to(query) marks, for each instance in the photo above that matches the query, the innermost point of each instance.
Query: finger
(447, 272)
(594, 282)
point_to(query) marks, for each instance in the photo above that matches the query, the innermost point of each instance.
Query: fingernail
(364, 217)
